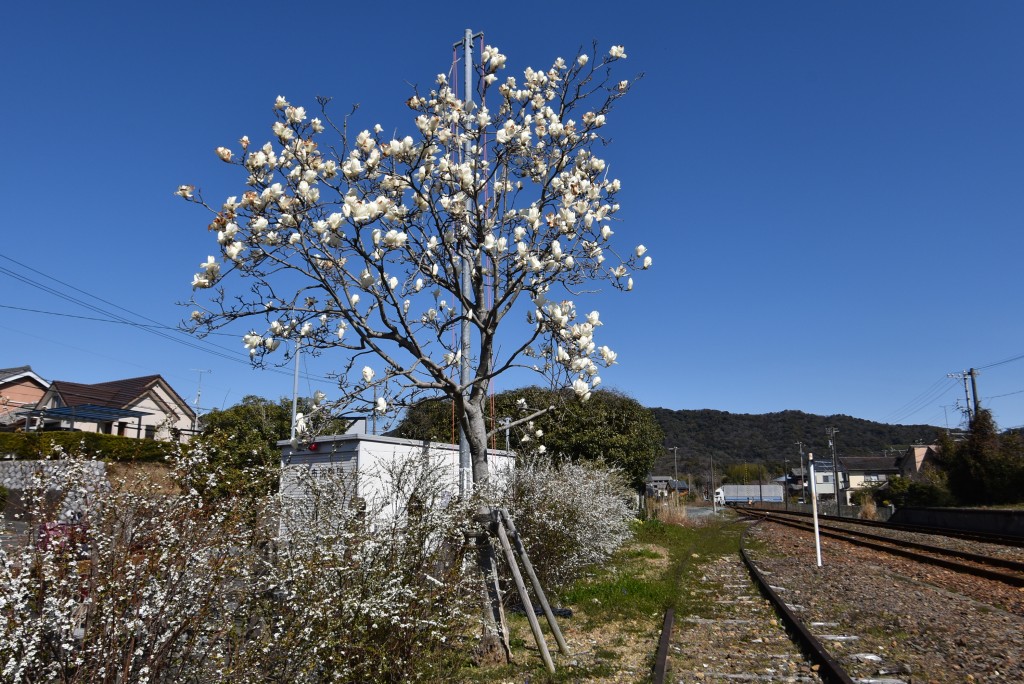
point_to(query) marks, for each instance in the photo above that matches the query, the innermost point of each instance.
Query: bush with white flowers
(151, 587)
(570, 516)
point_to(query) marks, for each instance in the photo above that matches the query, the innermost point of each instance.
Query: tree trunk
(494, 645)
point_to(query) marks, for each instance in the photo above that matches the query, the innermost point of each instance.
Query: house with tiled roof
(866, 472)
(146, 408)
(20, 389)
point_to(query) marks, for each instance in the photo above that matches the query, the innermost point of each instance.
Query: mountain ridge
(771, 438)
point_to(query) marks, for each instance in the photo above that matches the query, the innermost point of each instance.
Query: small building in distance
(867, 472)
(20, 390)
(917, 459)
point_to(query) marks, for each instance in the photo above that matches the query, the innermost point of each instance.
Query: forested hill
(768, 438)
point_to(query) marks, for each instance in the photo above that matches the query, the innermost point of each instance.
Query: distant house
(865, 472)
(918, 458)
(20, 389)
(824, 479)
(660, 485)
(144, 408)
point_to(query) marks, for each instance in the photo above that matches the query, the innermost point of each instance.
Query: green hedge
(40, 445)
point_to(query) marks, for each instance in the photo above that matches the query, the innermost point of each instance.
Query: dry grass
(669, 512)
(141, 478)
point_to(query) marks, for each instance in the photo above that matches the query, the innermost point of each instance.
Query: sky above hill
(831, 192)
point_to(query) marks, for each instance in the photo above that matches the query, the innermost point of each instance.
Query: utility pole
(974, 388)
(295, 391)
(785, 481)
(466, 268)
(803, 473)
(714, 502)
(831, 432)
(967, 395)
(675, 467)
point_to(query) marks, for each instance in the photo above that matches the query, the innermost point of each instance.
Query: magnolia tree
(408, 253)
(383, 248)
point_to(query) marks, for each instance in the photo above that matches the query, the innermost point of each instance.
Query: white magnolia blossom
(368, 374)
(381, 405)
(374, 232)
(581, 388)
(607, 354)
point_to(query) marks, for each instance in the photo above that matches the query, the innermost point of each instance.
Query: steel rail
(898, 548)
(661, 660)
(829, 669)
(988, 538)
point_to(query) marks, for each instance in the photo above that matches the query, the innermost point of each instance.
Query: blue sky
(832, 192)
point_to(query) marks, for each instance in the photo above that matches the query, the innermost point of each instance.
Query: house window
(871, 477)
(121, 427)
(151, 432)
(826, 479)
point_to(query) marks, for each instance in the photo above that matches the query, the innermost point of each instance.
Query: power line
(1000, 363)
(921, 401)
(154, 327)
(100, 320)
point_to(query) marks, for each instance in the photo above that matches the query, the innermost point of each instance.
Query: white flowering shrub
(570, 516)
(148, 587)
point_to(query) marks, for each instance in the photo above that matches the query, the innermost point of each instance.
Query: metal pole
(295, 388)
(814, 507)
(465, 458)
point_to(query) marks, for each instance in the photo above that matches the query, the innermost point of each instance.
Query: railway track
(895, 619)
(743, 639)
(945, 533)
(860, 619)
(998, 568)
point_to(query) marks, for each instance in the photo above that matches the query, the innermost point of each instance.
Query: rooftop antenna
(199, 393)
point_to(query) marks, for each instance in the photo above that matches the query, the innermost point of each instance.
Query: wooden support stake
(524, 596)
(538, 591)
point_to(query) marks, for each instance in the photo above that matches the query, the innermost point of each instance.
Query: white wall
(368, 465)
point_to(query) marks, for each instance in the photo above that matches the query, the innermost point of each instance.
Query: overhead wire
(153, 327)
(921, 401)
